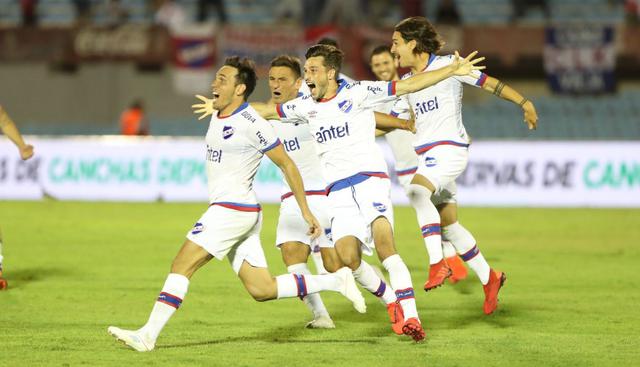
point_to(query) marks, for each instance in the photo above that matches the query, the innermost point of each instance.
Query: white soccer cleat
(349, 289)
(321, 322)
(133, 339)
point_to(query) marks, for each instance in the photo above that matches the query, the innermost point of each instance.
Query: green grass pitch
(571, 299)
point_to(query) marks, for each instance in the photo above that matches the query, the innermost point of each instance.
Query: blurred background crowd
(89, 66)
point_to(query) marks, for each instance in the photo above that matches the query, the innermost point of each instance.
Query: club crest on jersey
(197, 228)
(380, 207)
(430, 162)
(346, 105)
(227, 132)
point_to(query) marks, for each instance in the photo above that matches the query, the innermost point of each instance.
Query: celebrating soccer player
(236, 141)
(384, 66)
(441, 143)
(9, 128)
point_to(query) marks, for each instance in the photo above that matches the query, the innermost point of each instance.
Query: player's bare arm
(504, 91)
(267, 111)
(280, 158)
(387, 123)
(459, 66)
(10, 129)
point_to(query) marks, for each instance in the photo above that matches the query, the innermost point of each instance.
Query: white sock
(170, 299)
(466, 246)
(300, 285)
(313, 301)
(429, 221)
(317, 261)
(401, 282)
(369, 280)
(448, 250)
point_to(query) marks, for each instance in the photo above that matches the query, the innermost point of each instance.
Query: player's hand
(467, 65)
(315, 229)
(205, 108)
(530, 115)
(26, 152)
(411, 123)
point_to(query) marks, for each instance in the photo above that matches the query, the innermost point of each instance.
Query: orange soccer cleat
(491, 289)
(458, 269)
(438, 272)
(413, 328)
(3, 282)
(396, 315)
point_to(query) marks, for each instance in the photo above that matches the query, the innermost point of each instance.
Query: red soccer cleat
(491, 289)
(438, 272)
(458, 269)
(396, 314)
(413, 328)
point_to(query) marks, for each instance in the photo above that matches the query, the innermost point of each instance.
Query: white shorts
(446, 195)
(232, 233)
(354, 208)
(293, 228)
(442, 164)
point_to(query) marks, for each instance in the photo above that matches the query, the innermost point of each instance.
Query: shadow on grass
(21, 277)
(283, 334)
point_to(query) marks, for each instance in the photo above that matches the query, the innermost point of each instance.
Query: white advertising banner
(574, 174)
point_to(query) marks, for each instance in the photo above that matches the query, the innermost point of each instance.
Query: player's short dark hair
(423, 32)
(290, 62)
(380, 50)
(246, 73)
(328, 41)
(332, 56)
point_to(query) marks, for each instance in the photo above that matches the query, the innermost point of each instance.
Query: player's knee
(332, 265)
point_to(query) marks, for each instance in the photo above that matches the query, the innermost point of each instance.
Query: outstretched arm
(503, 91)
(387, 123)
(10, 129)
(292, 175)
(267, 111)
(423, 80)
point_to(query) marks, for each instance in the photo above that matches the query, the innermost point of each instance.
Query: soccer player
(383, 65)
(10, 129)
(285, 78)
(441, 143)
(236, 140)
(341, 119)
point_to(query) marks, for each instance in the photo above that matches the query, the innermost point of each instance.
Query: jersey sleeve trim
(482, 79)
(391, 88)
(275, 144)
(280, 111)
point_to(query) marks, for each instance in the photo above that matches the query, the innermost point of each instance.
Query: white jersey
(401, 142)
(235, 146)
(297, 140)
(438, 109)
(344, 128)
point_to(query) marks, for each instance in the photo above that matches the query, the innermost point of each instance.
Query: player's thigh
(347, 219)
(294, 252)
(258, 282)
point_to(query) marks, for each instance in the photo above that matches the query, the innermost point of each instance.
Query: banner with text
(574, 174)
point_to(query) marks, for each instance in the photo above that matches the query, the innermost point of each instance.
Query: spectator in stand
(28, 9)
(116, 13)
(288, 12)
(171, 15)
(448, 13)
(203, 10)
(133, 120)
(520, 8)
(83, 11)
(632, 10)
(341, 12)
